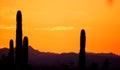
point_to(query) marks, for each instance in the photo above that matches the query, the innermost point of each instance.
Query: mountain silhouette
(37, 58)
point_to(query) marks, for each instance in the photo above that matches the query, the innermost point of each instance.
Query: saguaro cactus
(19, 38)
(82, 56)
(25, 50)
(11, 52)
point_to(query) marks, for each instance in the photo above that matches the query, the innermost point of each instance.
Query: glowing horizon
(54, 26)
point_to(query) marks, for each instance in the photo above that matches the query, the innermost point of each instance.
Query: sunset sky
(54, 25)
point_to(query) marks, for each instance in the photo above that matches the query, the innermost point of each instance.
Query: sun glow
(54, 25)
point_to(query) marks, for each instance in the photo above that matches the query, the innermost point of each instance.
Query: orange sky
(54, 25)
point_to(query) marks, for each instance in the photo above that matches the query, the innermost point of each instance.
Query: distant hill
(37, 58)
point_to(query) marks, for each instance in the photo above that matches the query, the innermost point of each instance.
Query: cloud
(7, 27)
(57, 28)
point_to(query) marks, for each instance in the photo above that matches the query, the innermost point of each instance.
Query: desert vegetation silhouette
(17, 58)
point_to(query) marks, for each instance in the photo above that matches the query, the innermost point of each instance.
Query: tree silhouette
(82, 56)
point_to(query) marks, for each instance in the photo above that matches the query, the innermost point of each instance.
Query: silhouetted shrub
(94, 66)
(106, 64)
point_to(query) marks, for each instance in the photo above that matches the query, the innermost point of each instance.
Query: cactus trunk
(82, 56)
(19, 38)
(11, 53)
(25, 50)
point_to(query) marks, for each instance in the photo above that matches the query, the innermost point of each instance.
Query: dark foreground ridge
(43, 60)
(24, 57)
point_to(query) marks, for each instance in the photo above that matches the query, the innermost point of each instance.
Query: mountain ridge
(38, 58)
(30, 48)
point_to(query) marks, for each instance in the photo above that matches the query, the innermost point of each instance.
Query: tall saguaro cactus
(82, 55)
(11, 53)
(19, 38)
(25, 50)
